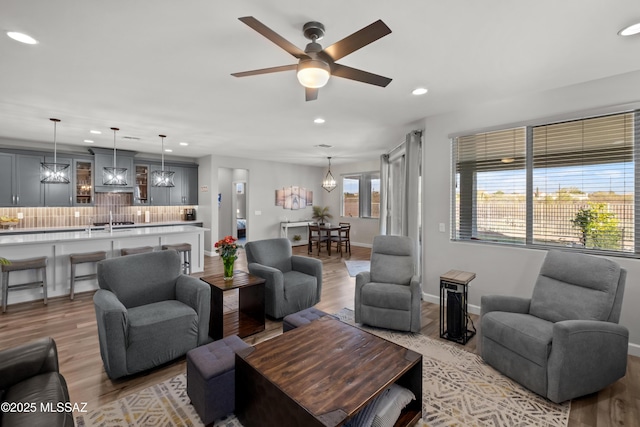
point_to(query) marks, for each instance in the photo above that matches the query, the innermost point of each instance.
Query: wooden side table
(454, 286)
(249, 318)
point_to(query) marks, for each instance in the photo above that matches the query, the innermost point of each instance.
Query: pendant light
(329, 182)
(54, 173)
(114, 175)
(162, 178)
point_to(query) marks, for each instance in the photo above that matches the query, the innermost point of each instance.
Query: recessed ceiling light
(88, 141)
(319, 121)
(630, 30)
(95, 132)
(168, 150)
(420, 91)
(22, 38)
(184, 144)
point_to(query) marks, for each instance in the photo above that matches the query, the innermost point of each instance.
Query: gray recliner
(293, 282)
(563, 342)
(389, 296)
(148, 312)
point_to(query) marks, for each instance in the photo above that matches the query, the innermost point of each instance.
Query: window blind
(583, 183)
(570, 184)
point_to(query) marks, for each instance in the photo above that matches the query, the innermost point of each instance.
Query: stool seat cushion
(87, 257)
(300, 318)
(134, 251)
(178, 247)
(25, 264)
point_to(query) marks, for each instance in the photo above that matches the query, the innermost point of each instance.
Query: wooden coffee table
(322, 374)
(249, 318)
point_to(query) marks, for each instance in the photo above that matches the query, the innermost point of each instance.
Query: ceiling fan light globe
(313, 73)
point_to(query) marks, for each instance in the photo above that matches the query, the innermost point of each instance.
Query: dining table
(326, 230)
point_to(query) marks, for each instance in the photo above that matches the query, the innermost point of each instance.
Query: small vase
(228, 268)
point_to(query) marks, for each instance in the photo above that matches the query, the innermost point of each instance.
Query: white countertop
(81, 227)
(117, 233)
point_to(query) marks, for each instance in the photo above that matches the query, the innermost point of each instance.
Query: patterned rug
(459, 389)
(355, 267)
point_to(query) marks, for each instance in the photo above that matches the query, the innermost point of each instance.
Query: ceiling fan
(315, 65)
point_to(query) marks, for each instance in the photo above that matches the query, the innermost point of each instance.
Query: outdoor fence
(506, 220)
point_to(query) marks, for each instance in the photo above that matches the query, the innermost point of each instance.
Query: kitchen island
(57, 247)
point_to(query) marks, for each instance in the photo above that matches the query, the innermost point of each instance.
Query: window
(568, 184)
(361, 195)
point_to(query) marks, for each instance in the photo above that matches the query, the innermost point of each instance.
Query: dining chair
(316, 237)
(342, 239)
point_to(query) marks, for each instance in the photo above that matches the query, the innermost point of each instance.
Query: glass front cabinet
(141, 189)
(83, 182)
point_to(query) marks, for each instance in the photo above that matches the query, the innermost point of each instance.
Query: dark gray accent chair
(148, 312)
(293, 282)
(389, 295)
(563, 342)
(29, 375)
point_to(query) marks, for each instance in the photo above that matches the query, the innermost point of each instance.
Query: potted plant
(321, 214)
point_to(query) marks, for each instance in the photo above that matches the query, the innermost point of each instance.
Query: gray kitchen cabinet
(7, 189)
(29, 189)
(20, 175)
(185, 191)
(59, 194)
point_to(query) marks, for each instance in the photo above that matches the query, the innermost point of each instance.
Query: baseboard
(362, 245)
(209, 253)
(633, 350)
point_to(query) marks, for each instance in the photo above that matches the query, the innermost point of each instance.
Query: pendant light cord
(55, 143)
(114, 146)
(162, 137)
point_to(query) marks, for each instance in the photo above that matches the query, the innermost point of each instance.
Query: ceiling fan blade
(359, 75)
(265, 70)
(357, 40)
(310, 93)
(273, 36)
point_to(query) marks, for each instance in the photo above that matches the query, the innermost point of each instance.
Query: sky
(351, 185)
(616, 177)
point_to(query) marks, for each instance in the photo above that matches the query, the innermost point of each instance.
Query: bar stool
(39, 263)
(76, 259)
(183, 249)
(133, 251)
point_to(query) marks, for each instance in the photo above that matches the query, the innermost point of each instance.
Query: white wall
(262, 178)
(509, 270)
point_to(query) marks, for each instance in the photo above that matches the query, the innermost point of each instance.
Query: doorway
(232, 203)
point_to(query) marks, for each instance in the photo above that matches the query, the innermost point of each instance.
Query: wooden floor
(73, 326)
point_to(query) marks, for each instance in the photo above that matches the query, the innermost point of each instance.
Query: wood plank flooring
(73, 326)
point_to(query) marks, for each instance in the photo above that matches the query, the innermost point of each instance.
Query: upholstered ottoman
(300, 318)
(211, 377)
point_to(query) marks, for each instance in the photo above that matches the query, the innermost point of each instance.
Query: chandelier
(54, 173)
(114, 175)
(162, 178)
(329, 183)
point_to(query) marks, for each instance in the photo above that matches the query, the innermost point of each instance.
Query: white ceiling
(163, 66)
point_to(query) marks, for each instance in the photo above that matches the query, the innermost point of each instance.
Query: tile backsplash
(120, 204)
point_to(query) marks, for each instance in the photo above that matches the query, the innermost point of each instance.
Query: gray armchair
(389, 295)
(564, 341)
(293, 282)
(148, 312)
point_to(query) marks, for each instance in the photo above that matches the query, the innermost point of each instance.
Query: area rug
(355, 267)
(459, 389)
